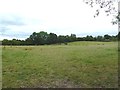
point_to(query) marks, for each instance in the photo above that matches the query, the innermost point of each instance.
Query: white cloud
(57, 16)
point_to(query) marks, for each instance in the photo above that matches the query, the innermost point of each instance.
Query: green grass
(78, 64)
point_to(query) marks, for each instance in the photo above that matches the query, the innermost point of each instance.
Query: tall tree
(107, 36)
(61, 39)
(73, 37)
(52, 38)
(99, 38)
(38, 38)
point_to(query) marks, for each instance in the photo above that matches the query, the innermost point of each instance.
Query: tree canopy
(43, 38)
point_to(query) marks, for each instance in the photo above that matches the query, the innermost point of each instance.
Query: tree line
(43, 38)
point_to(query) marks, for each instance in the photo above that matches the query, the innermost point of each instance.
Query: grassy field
(78, 64)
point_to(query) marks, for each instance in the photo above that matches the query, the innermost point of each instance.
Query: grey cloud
(16, 35)
(3, 29)
(11, 20)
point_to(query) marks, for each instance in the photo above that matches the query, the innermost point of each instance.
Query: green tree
(72, 37)
(107, 37)
(99, 38)
(5, 42)
(89, 38)
(52, 38)
(61, 39)
(42, 37)
(38, 38)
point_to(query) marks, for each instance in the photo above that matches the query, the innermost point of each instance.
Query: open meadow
(79, 64)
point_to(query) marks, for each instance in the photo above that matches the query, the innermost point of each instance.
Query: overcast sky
(20, 18)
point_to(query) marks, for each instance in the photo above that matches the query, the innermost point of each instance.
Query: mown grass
(78, 64)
